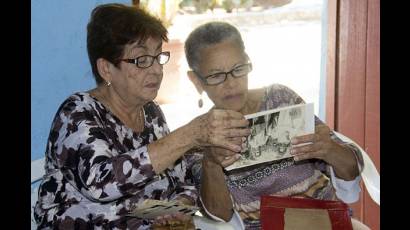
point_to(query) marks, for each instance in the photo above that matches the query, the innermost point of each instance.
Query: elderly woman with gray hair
(324, 168)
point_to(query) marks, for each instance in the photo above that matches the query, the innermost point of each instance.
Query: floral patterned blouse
(309, 178)
(97, 169)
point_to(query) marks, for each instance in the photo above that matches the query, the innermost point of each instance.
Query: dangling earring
(108, 83)
(200, 101)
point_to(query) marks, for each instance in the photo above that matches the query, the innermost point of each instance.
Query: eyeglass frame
(203, 78)
(135, 60)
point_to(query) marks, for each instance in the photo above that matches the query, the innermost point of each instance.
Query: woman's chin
(150, 94)
(235, 106)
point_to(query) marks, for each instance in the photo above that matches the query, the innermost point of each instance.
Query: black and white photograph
(271, 133)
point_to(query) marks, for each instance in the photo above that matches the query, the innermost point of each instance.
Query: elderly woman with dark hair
(110, 148)
(324, 168)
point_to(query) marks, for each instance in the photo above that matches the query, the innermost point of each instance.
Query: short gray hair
(208, 34)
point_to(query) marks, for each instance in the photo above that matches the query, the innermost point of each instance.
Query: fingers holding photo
(221, 156)
(316, 145)
(217, 127)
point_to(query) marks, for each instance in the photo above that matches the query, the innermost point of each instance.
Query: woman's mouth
(152, 85)
(233, 96)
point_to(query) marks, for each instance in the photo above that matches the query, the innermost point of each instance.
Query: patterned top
(310, 178)
(97, 169)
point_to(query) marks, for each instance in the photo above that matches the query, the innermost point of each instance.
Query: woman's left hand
(321, 146)
(173, 219)
(318, 145)
(176, 218)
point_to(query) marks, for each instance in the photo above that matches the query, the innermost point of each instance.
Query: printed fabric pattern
(97, 169)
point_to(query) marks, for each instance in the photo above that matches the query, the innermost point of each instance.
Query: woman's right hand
(220, 156)
(220, 128)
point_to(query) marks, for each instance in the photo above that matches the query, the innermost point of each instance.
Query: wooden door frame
(353, 83)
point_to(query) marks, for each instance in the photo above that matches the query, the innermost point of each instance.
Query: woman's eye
(142, 59)
(239, 71)
(217, 76)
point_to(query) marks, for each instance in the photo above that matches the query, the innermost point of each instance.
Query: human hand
(318, 145)
(221, 156)
(220, 128)
(174, 219)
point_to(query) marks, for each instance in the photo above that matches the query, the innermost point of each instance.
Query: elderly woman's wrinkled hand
(318, 145)
(220, 128)
(166, 219)
(221, 156)
(174, 221)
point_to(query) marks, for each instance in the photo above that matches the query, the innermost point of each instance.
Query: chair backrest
(37, 172)
(370, 175)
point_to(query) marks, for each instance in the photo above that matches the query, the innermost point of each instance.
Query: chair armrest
(370, 175)
(202, 222)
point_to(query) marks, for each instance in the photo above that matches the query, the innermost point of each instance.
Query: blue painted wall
(59, 61)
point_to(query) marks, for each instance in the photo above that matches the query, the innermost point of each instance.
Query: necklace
(141, 120)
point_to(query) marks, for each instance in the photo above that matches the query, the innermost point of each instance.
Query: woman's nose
(230, 80)
(156, 67)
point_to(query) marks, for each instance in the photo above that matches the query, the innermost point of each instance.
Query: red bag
(281, 213)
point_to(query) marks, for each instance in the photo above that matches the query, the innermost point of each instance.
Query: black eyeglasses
(218, 78)
(146, 61)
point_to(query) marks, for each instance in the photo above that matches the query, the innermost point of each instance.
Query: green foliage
(163, 9)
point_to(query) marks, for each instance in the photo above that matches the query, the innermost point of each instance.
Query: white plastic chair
(208, 224)
(37, 172)
(370, 175)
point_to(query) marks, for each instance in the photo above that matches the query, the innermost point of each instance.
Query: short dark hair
(112, 26)
(208, 34)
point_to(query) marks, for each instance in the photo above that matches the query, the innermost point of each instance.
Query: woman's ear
(195, 80)
(103, 67)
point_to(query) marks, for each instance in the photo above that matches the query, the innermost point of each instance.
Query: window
(284, 44)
